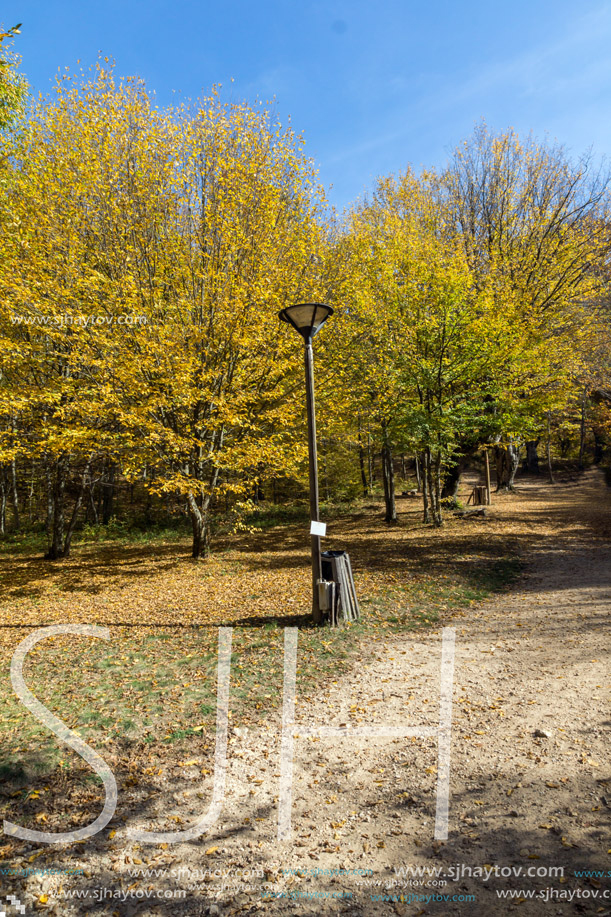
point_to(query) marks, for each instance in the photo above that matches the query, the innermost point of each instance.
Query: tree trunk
(451, 480)
(364, 483)
(550, 470)
(201, 528)
(93, 506)
(49, 491)
(582, 432)
(434, 487)
(362, 467)
(431, 487)
(2, 501)
(426, 515)
(418, 478)
(438, 473)
(325, 471)
(148, 509)
(532, 458)
(108, 493)
(507, 461)
(56, 546)
(15, 496)
(388, 475)
(31, 493)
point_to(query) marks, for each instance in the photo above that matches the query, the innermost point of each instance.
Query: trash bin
(343, 602)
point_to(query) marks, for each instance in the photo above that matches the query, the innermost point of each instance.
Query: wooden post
(489, 501)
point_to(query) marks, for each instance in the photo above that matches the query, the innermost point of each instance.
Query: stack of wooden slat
(479, 496)
(336, 568)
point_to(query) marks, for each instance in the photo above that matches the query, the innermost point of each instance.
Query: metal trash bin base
(338, 587)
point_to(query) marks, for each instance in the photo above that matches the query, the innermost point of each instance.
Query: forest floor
(530, 780)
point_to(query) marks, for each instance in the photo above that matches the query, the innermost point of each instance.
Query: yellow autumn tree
(153, 250)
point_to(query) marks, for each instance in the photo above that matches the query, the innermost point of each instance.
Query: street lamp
(308, 319)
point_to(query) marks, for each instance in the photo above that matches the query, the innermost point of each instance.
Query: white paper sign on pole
(318, 528)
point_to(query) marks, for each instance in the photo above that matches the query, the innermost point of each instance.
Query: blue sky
(373, 85)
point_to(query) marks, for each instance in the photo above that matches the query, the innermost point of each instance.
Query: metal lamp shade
(306, 318)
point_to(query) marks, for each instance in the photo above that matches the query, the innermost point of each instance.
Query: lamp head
(306, 318)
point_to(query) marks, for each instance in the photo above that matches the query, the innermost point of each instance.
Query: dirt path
(530, 781)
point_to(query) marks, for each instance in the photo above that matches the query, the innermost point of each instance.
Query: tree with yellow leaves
(142, 281)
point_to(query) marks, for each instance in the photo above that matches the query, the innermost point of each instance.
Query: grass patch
(269, 515)
(423, 601)
(496, 576)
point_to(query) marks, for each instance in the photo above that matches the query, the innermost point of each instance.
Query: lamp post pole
(313, 465)
(307, 319)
